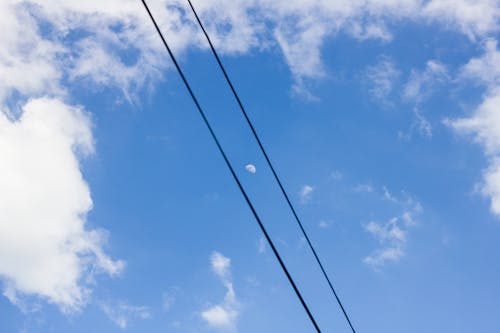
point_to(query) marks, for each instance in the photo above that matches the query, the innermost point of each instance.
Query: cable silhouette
(266, 156)
(228, 164)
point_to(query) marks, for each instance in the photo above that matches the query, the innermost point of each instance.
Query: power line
(249, 122)
(236, 179)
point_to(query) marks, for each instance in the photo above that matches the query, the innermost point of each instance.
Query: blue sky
(117, 213)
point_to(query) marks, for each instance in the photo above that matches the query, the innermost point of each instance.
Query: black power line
(236, 179)
(249, 122)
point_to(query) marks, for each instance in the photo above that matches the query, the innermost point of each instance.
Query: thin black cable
(242, 190)
(249, 122)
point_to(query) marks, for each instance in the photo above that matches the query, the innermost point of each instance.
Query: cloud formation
(305, 193)
(86, 40)
(420, 83)
(45, 249)
(484, 123)
(122, 312)
(224, 315)
(382, 77)
(392, 235)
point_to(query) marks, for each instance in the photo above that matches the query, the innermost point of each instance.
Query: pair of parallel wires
(235, 177)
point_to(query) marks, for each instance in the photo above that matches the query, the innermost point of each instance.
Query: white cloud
(45, 249)
(309, 23)
(387, 232)
(372, 30)
(220, 265)
(298, 28)
(224, 315)
(484, 123)
(391, 238)
(421, 83)
(472, 17)
(491, 185)
(302, 50)
(382, 77)
(420, 86)
(421, 124)
(392, 235)
(122, 313)
(251, 168)
(388, 195)
(485, 69)
(25, 58)
(305, 193)
(380, 257)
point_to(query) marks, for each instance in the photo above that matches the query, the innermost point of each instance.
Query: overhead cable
(228, 164)
(266, 156)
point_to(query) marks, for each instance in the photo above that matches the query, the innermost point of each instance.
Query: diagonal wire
(256, 136)
(236, 179)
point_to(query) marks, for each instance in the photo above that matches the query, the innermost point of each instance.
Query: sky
(118, 214)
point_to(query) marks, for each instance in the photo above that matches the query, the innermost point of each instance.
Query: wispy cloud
(392, 235)
(388, 195)
(420, 86)
(298, 29)
(225, 314)
(382, 77)
(421, 83)
(419, 125)
(305, 193)
(220, 265)
(122, 313)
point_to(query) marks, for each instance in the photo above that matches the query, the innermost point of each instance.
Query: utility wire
(256, 136)
(236, 179)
